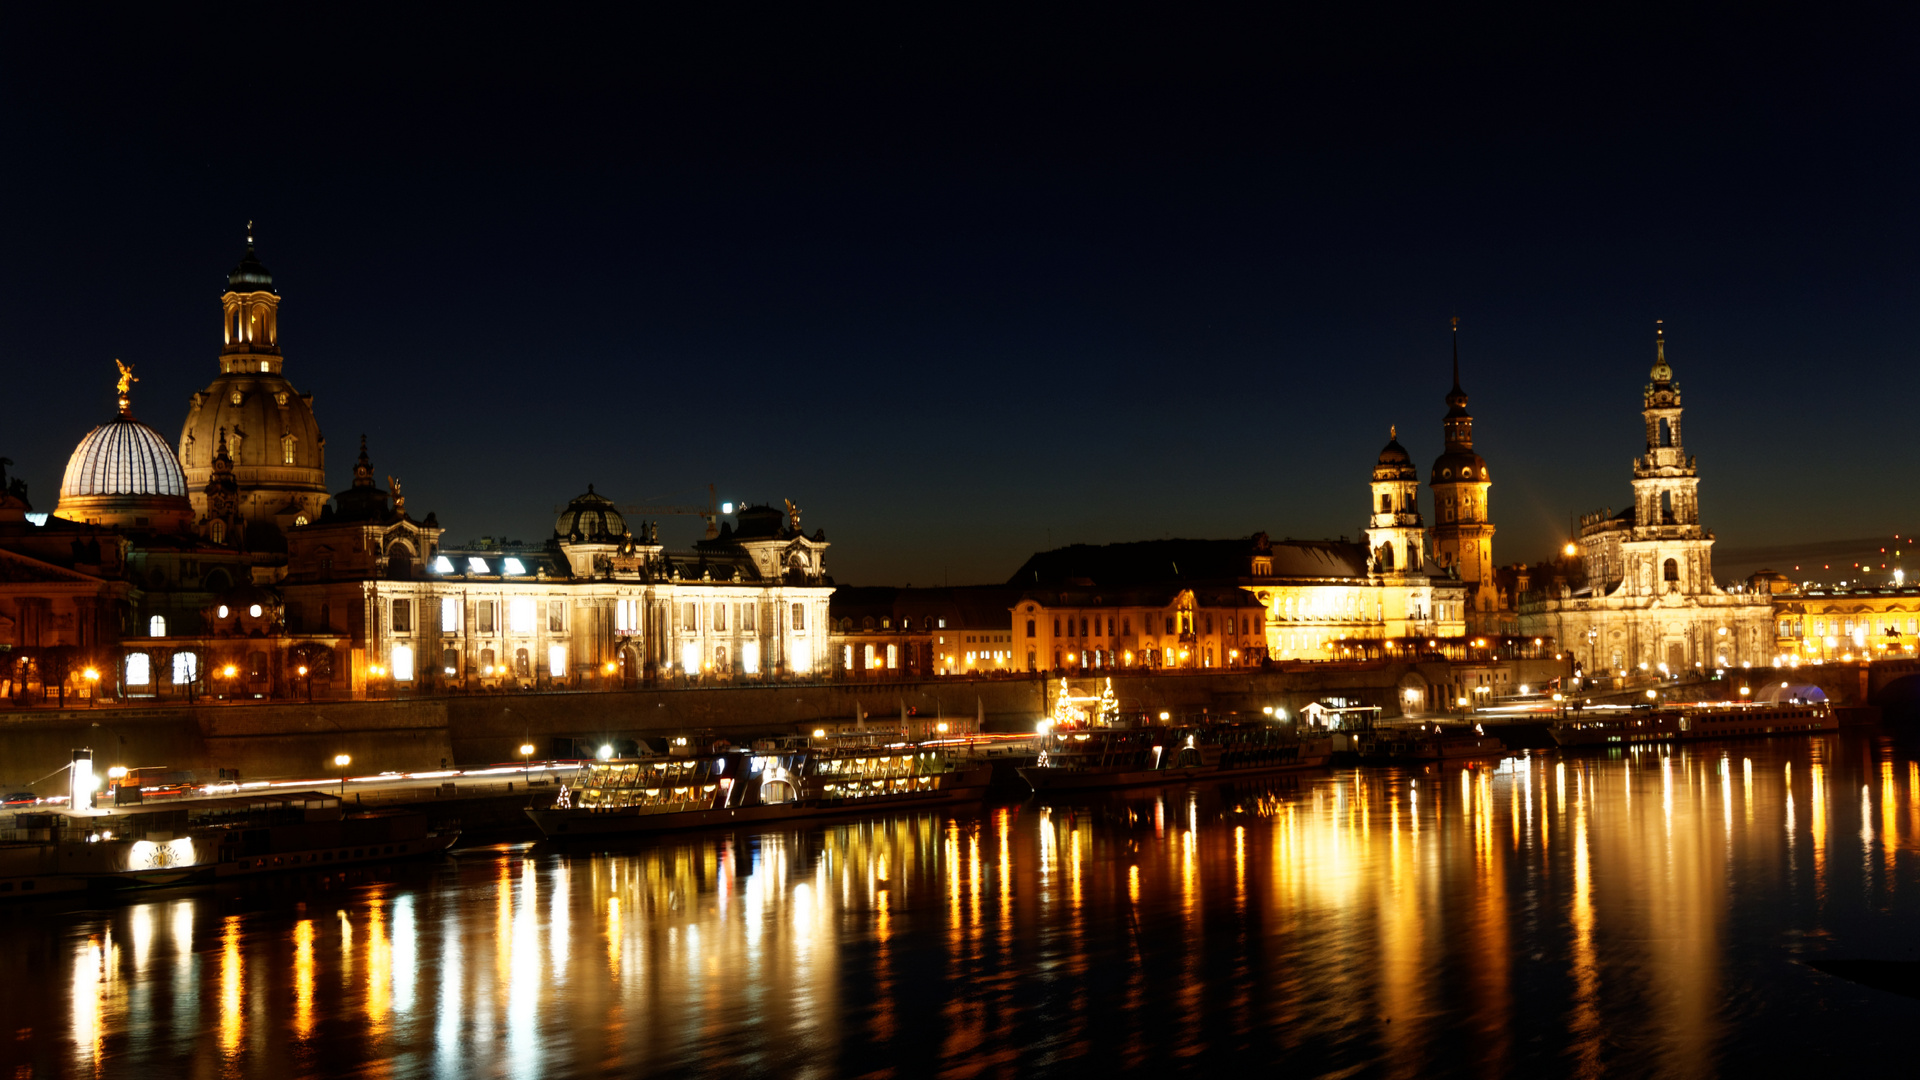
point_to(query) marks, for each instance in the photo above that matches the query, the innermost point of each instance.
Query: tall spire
(1662, 373)
(1456, 354)
(363, 469)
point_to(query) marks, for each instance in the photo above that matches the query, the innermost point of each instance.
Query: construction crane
(711, 512)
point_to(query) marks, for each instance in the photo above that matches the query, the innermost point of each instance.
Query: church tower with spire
(1462, 525)
(276, 453)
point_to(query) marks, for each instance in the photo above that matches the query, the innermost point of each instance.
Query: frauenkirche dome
(278, 451)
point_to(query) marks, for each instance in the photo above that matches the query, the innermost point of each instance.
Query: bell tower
(1395, 534)
(1462, 531)
(1669, 551)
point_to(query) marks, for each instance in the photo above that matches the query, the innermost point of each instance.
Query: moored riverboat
(1720, 720)
(1100, 757)
(776, 781)
(1429, 743)
(56, 852)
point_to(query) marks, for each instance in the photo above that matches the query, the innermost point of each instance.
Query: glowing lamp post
(93, 685)
(341, 761)
(228, 673)
(309, 680)
(526, 759)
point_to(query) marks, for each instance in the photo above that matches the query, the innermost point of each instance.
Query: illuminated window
(402, 662)
(690, 657)
(799, 617)
(867, 657)
(522, 664)
(402, 611)
(287, 443)
(512, 566)
(263, 365)
(157, 626)
(186, 667)
(893, 657)
(449, 614)
(476, 565)
(557, 661)
(520, 614)
(442, 565)
(846, 657)
(217, 532)
(235, 397)
(139, 670)
(556, 616)
(750, 656)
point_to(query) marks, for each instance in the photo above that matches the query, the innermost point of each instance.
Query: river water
(1646, 913)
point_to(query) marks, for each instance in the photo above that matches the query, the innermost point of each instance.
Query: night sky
(965, 289)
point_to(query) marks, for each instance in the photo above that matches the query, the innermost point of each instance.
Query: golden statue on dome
(125, 385)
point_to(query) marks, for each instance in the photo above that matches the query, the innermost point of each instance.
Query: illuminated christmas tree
(1109, 706)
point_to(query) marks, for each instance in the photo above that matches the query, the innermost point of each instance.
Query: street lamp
(526, 755)
(93, 685)
(309, 679)
(228, 671)
(341, 761)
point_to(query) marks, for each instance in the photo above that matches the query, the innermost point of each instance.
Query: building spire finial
(1660, 340)
(1456, 354)
(249, 232)
(125, 387)
(1393, 432)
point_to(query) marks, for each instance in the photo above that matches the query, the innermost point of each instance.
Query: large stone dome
(279, 454)
(124, 474)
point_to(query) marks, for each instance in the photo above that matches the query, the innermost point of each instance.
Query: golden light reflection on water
(1362, 918)
(232, 987)
(303, 978)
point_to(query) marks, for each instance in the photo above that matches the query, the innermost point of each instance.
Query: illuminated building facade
(1815, 624)
(881, 632)
(595, 607)
(1651, 603)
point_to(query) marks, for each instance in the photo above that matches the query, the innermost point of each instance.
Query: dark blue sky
(964, 289)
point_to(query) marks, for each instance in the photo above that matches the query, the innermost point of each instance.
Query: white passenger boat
(829, 775)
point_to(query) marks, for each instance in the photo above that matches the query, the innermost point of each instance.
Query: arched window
(1386, 555)
(1386, 504)
(217, 531)
(287, 443)
(1672, 570)
(399, 562)
(157, 626)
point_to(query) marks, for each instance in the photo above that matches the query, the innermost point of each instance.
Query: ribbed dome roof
(592, 516)
(1394, 454)
(123, 457)
(251, 274)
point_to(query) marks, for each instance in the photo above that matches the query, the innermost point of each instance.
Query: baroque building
(226, 568)
(1651, 602)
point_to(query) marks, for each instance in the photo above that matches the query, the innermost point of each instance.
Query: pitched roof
(1167, 561)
